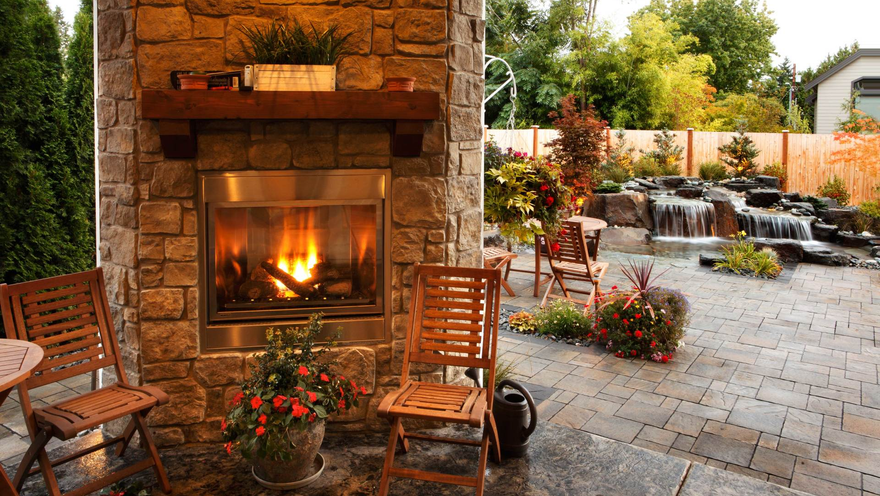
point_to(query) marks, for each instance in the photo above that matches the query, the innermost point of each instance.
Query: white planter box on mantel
(282, 77)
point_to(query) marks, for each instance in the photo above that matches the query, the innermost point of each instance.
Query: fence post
(535, 141)
(607, 141)
(485, 134)
(785, 147)
(689, 158)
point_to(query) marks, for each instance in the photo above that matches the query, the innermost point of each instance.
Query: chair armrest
(389, 399)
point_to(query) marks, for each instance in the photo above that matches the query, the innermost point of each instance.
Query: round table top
(589, 223)
(17, 360)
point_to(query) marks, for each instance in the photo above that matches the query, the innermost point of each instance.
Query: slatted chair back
(570, 247)
(69, 317)
(453, 317)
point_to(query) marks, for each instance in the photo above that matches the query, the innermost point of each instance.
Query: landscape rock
(763, 197)
(824, 232)
(794, 197)
(841, 217)
(875, 252)
(620, 209)
(689, 192)
(788, 250)
(647, 184)
(769, 182)
(726, 223)
(851, 240)
(626, 236)
(636, 187)
(832, 203)
(741, 186)
(709, 259)
(825, 256)
(670, 181)
(804, 207)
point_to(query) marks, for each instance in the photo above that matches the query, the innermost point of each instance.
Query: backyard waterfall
(761, 225)
(683, 218)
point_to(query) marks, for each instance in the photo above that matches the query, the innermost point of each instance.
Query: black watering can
(515, 417)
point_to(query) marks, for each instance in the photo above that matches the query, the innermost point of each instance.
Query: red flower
(563, 232)
(341, 404)
(550, 200)
(312, 396)
(604, 331)
(262, 419)
(299, 389)
(554, 247)
(633, 352)
(298, 411)
(256, 402)
(625, 322)
(353, 384)
(653, 344)
(363, 390)
(312, 417)
(544, 187)
(278, 401)
(229, 448)
(223, 425)
(638, 315)
(613, 287)
(324, 378)
(616, 316)
(303, 370)
(638, 334)
(665, 359)
(668, 322)
(260, 430)
(236, 400)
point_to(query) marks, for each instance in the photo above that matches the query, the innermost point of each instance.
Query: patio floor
(778, 380)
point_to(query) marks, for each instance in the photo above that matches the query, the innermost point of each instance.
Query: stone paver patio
(778, 380)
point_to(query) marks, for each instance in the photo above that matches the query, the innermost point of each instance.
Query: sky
(808, 29)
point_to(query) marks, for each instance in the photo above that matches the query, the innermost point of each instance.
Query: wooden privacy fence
(806, 156)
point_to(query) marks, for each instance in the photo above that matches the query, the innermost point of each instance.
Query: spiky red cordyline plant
(639, 273)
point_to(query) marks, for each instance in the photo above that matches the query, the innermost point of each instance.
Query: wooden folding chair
(453, 321)
(570, 261)
(69, 317)
(499, 258)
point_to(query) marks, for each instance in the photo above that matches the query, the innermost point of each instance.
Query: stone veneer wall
(148, 203)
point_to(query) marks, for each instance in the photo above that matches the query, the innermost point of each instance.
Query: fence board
(808, 155)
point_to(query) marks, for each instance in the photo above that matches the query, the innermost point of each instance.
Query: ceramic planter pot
(400, 83)
(193, 81)
(302, 461)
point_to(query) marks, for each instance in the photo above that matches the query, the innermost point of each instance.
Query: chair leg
(127, 434)
(563, 286)
(154, 453)
(37, 450)
(493, 432)
(389, 456)
(549, 290)
(484, 455)
(401, 437)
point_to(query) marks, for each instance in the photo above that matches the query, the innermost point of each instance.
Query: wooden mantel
(176, 109)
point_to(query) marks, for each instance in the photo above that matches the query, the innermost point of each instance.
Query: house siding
(834, 92)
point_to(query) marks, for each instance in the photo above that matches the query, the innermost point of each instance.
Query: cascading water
(683, 218)
(760, 225)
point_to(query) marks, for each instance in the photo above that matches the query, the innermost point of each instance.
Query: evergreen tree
(740, 154)
(79, 197)
(33, 144)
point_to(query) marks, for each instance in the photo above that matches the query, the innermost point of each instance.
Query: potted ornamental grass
(291, 57)
(646, 321)
(277, 420)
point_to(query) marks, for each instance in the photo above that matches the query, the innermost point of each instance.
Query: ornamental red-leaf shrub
(580, 146)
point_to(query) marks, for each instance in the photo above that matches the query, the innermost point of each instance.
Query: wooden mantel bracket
(176, 109)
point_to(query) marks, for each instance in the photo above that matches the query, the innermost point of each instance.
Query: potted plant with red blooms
(646, 322)
(277, 420)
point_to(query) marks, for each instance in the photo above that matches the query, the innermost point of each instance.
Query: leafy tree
(761, 114)
(580, 145)
(740, 154)
(527, 40)
(584, 36)
(735, 33)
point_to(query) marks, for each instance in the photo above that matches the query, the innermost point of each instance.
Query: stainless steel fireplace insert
(277, 246)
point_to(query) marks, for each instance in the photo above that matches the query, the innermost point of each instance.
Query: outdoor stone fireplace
(159, 245)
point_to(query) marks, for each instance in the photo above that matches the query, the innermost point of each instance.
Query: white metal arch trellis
(511, 80)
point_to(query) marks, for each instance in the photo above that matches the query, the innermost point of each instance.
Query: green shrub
(645, 166)
(608, 188)
(667, 155)
(743, 258)
(616, 174)
(563, 319)
(740, 154)
(618, 167)
(712, 171)
(522, 321)
(778, 171)
(867, 218)
(503, 370)
(871, 209)
(835, 188)
(817, 203)
(631, 330)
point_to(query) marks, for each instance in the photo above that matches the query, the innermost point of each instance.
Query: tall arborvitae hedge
(43, 207)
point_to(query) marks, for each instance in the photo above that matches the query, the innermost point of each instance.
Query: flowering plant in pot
(646, 322)
(278, 418)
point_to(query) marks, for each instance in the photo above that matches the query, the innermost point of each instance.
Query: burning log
(257, 290)
(340, 287)
(323, 272)
(303, 289)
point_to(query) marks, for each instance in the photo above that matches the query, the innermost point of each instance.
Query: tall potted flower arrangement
(525, 196)
(277, 420)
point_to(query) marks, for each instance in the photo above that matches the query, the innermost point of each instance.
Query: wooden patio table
(18, 359)
(590, 224)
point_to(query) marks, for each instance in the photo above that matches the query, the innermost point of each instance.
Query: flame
(297, 254)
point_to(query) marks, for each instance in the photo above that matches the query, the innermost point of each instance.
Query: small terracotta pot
(193, 81)
(400, 83)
